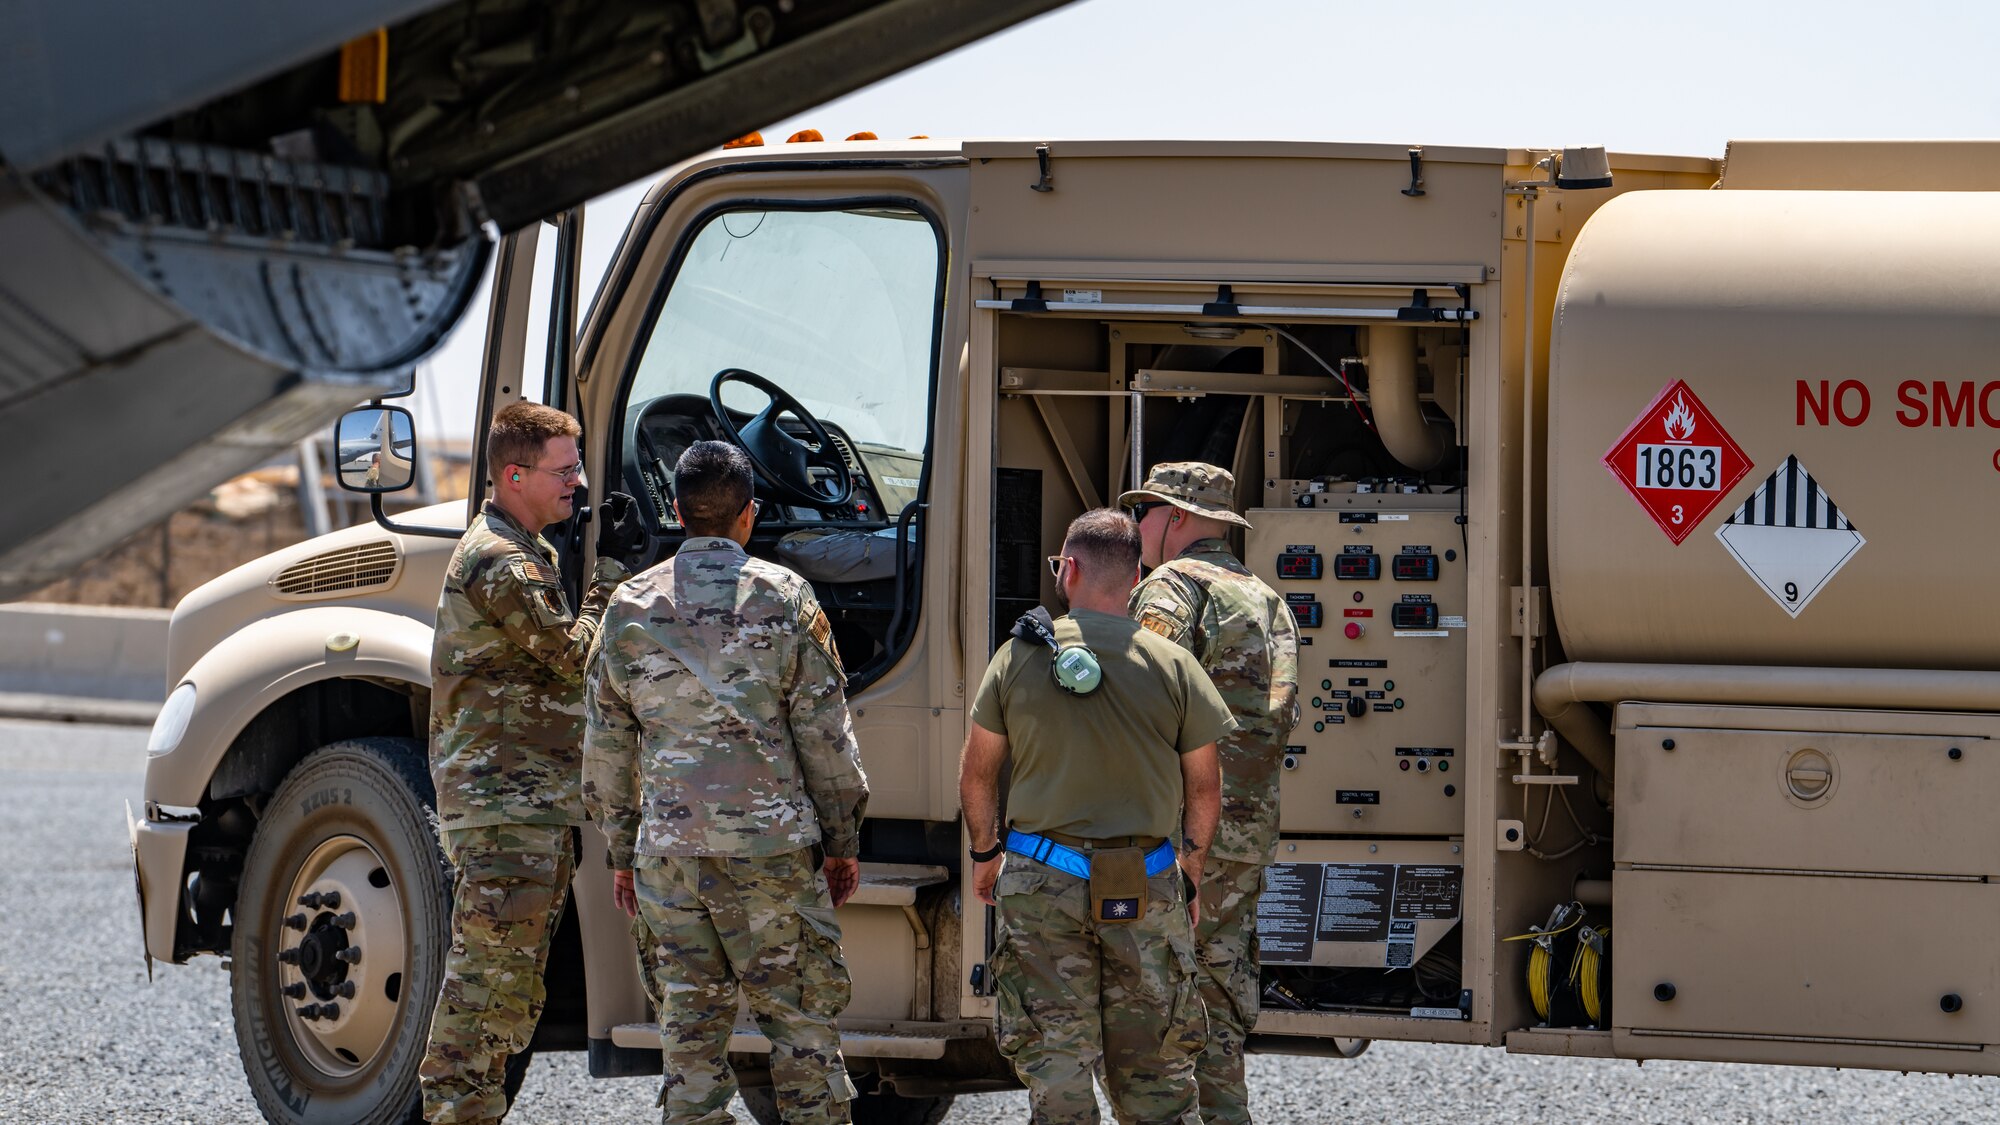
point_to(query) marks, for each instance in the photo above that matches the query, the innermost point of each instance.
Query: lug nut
(345, 921)
(288, 956)
(349, 956)
(295, 991)
(310, 900)
(330, 900)
(346, 990)
(330, 1010)
(296, 922)
(309, 1012)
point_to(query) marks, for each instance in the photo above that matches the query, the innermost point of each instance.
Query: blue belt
(1041, 849)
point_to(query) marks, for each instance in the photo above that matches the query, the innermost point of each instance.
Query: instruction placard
(1305, 903)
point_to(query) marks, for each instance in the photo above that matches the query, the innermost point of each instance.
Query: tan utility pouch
(1118, 884)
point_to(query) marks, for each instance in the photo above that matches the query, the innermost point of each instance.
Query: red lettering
(1986, 414)
(1808, 402)
(1996, 460)
(1910, 393)
(1840, 403)
(1950, 410)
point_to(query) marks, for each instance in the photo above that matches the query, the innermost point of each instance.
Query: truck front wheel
(340, 931)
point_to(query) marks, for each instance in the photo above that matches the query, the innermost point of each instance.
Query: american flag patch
(534, 570)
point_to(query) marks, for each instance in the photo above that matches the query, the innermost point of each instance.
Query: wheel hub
(341, 962)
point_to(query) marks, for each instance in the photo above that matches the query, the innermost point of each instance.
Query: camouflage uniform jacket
(507, 663)
(1209, 603)
(718, 720)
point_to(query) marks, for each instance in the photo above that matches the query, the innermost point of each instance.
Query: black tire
(355, 815)
(869, 1109)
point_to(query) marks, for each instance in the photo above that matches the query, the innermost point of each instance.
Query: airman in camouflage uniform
(719, 753)
(1088, 979)
(1202, 598)
(506, 732)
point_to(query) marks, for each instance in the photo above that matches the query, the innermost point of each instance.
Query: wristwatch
(990, 853)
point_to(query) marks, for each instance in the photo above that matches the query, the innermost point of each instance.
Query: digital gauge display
(1296, 567)
(1416, 568)
(1349, 568)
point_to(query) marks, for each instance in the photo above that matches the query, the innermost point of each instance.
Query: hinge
(1416, 187)
(1531, 615)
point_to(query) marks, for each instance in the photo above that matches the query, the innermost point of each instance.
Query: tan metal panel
(1400, 766)
(1226, 209)
(1827, 958)
(1863, 165)
(1807, 800)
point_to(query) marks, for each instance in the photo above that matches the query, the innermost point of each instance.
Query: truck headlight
(172, 722)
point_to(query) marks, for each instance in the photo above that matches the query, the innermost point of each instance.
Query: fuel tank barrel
(1774, 430)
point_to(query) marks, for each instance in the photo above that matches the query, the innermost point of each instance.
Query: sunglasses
(1140, 510)
(1056, 564)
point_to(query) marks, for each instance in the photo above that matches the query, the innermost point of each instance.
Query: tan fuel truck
(1618, 514)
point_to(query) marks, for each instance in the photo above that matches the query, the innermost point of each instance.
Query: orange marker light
(804, 135)
(863, 135)
(747, 140)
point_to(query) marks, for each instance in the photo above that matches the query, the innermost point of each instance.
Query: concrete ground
(87, 1039)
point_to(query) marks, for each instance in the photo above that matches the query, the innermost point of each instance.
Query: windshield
(834, 306)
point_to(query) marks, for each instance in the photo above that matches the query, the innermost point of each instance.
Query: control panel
(1379, 593)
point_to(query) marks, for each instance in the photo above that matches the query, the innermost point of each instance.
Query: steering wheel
(783, 460)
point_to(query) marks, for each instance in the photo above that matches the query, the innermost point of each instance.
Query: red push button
(1353, 630)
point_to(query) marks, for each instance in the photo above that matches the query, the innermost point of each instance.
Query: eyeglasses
(755, 505)
(1139, 511)
(566, 473)
(1056, 564)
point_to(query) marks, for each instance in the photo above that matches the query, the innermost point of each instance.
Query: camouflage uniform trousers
(1075, 995)
(763, 924)
(1226, 947)
(507, 897)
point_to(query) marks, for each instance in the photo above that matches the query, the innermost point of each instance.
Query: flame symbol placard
(1679, 422)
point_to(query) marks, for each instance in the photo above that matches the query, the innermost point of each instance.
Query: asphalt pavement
(85, 1038)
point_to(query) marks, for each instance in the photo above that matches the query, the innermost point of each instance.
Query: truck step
(872, 1039)
(895, 884)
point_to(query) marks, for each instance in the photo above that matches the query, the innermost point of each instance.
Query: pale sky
(1683, 79)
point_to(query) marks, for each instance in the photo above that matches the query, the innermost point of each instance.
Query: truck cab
(937, 354)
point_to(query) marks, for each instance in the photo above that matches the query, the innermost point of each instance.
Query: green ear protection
(517, 478)
(1075, 668)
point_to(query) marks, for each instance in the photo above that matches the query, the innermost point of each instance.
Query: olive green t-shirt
(1108, 763)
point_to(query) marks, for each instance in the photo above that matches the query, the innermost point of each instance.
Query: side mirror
(375, 449)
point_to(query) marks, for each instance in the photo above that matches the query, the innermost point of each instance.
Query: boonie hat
(1193, 486)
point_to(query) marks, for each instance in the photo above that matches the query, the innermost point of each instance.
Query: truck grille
(368, 566)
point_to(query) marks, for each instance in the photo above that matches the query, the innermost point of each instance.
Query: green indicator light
(1318, 702)
(1319, 726)
(1326, 685)
(1399, 704)
(1388, 685)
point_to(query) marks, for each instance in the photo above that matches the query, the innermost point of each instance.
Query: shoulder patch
(1153, 621)
(821, 630)
(533, 570)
